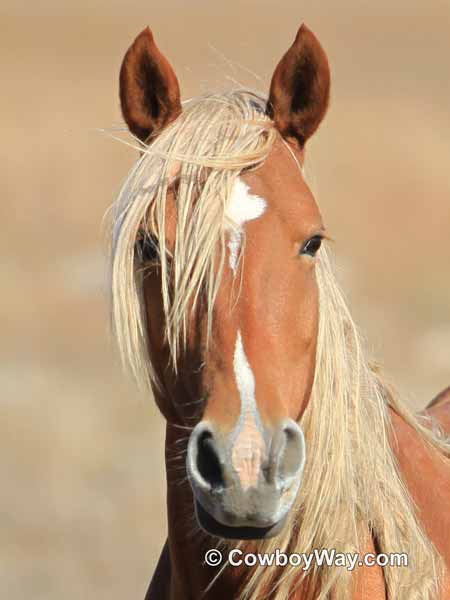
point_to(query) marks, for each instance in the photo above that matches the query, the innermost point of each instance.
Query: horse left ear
(149, 90)
(300, 88)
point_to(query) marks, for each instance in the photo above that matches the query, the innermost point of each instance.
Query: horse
(281, 434)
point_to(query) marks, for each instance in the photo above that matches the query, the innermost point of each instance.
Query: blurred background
(82, 503)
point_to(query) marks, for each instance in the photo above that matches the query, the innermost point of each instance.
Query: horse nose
(245, 480)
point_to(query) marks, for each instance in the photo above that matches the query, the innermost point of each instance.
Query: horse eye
(311, 247)
(147, 249)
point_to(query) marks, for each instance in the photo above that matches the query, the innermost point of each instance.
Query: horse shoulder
(426, 473)
(159, 588)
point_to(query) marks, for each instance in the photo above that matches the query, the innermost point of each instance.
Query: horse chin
(209, 524)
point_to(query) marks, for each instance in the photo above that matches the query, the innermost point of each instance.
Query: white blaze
(243, 206)
(245, 379)
(248, 444)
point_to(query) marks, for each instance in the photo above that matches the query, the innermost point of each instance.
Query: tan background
(81, 458)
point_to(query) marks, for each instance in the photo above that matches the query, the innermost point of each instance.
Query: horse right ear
(149, 90)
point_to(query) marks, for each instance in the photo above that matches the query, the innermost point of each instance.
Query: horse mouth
(209, 524)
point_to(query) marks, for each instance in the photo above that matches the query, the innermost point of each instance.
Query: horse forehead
(280, 182)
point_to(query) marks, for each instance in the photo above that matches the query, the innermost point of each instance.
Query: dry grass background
(82, 510)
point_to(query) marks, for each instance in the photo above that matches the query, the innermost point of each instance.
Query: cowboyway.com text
(322, 558)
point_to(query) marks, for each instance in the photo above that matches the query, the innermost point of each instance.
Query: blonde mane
(351, 487)
(201, 152)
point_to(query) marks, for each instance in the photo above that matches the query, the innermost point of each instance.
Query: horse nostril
(208, 463)
(294, 450)
(288, 454)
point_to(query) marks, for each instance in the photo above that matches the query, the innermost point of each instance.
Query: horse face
(246, 455)
(245, 389)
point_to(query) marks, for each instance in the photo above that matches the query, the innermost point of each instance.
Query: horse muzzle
(245, 482)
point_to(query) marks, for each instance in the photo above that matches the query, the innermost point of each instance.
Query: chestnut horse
(281, 434)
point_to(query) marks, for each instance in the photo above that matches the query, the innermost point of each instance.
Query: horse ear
(300, 88)
(149, 90)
